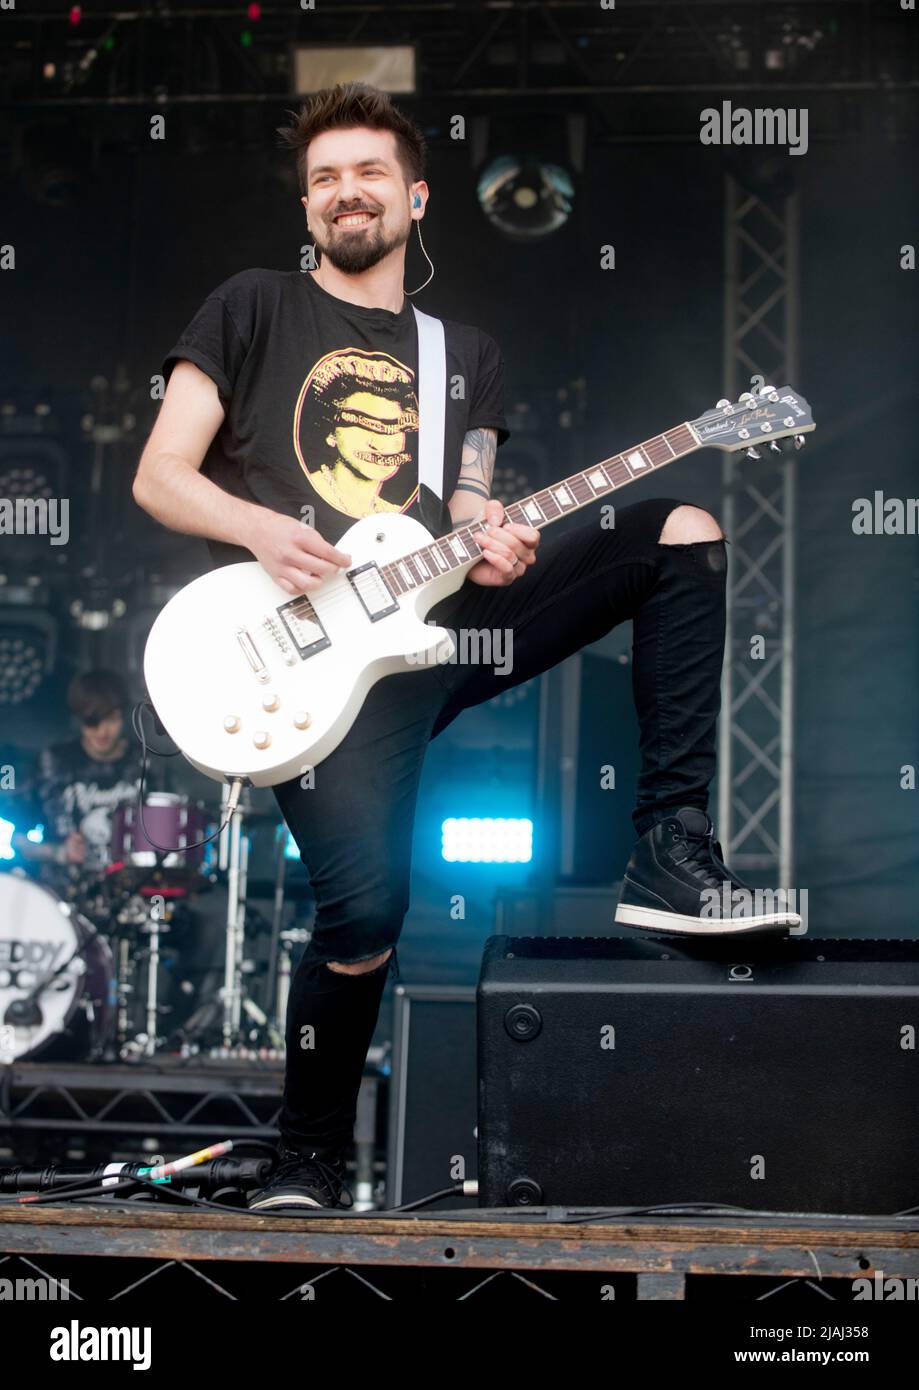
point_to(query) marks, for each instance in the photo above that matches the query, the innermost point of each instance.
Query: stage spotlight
(487, 840)
(21, 670)
(23, 482)
(24, 662)
(525, 198)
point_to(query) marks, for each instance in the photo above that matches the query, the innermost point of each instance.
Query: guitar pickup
(303, 626)
(372, 591)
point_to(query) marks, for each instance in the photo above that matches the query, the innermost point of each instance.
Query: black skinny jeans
(354, 826)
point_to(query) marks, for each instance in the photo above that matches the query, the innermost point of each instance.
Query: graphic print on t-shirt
(356, 432)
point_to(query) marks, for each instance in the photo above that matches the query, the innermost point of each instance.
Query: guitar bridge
(253, 656)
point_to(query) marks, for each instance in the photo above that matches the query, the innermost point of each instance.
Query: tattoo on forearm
(473, 487)
(478, 460)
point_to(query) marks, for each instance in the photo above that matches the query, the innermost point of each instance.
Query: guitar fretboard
(458, 548)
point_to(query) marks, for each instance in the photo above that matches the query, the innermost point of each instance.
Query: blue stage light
(7, 830)
(487, 840)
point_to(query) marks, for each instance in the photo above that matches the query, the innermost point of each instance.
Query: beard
(354, 252)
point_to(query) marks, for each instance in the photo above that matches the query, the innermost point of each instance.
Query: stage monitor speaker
(776, 1075)
(432, 1106)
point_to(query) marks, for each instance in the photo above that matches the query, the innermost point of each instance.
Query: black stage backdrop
(112, 277)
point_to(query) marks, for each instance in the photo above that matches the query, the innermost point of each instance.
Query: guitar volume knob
(271, 702)
(232, 723)
(302, 719)
(261, 739)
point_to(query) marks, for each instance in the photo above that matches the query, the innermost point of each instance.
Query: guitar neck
(458, 549)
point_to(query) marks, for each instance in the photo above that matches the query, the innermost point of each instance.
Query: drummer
(80, 781)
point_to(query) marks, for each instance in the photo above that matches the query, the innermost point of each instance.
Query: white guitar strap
(432, 401)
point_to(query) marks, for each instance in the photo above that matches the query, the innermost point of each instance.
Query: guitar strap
(432, 402)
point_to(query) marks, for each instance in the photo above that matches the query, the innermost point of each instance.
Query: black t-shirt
(75, 792)
(321, 404)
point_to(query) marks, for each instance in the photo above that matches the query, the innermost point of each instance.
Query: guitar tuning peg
(767, 391)
(747, 398)
(753, 453)
(723, 405)
(799, 441)
(775, 446)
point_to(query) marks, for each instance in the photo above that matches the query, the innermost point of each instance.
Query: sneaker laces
(701, 854)
(333, 1178)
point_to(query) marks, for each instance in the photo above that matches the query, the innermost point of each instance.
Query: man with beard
(270, 376)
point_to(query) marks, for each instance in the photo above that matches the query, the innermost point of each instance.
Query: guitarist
(291, 410)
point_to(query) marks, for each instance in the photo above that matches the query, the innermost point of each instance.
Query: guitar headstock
(764, 417)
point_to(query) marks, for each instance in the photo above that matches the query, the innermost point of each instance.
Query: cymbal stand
(234, 856)
(153, 930)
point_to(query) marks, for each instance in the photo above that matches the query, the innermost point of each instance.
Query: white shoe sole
(653, 919)
(279, 1201)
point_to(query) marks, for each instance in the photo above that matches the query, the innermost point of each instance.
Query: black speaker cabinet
(432, 1108)
(778, 1075)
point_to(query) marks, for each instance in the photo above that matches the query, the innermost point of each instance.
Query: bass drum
(57, 978)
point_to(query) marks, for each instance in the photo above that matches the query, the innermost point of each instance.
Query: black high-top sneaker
(302, 1182)
(676, 881)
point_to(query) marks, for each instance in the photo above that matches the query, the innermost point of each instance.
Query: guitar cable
(236, 786)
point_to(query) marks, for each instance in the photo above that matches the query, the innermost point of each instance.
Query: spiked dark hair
(348, 105)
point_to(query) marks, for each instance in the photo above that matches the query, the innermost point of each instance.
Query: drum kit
(81, 961)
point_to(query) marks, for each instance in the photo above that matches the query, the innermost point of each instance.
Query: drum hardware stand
(124, 986)
(154, 918)
(234, 857)
(151, 922)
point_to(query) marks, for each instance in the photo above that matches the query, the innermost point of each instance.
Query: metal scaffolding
(755, 803)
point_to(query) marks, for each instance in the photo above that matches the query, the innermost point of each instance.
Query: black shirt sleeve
(213, 341)
(486, 409)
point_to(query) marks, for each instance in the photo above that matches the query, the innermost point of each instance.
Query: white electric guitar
(255, 685)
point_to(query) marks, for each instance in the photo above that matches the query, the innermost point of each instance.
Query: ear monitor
(416, 203)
